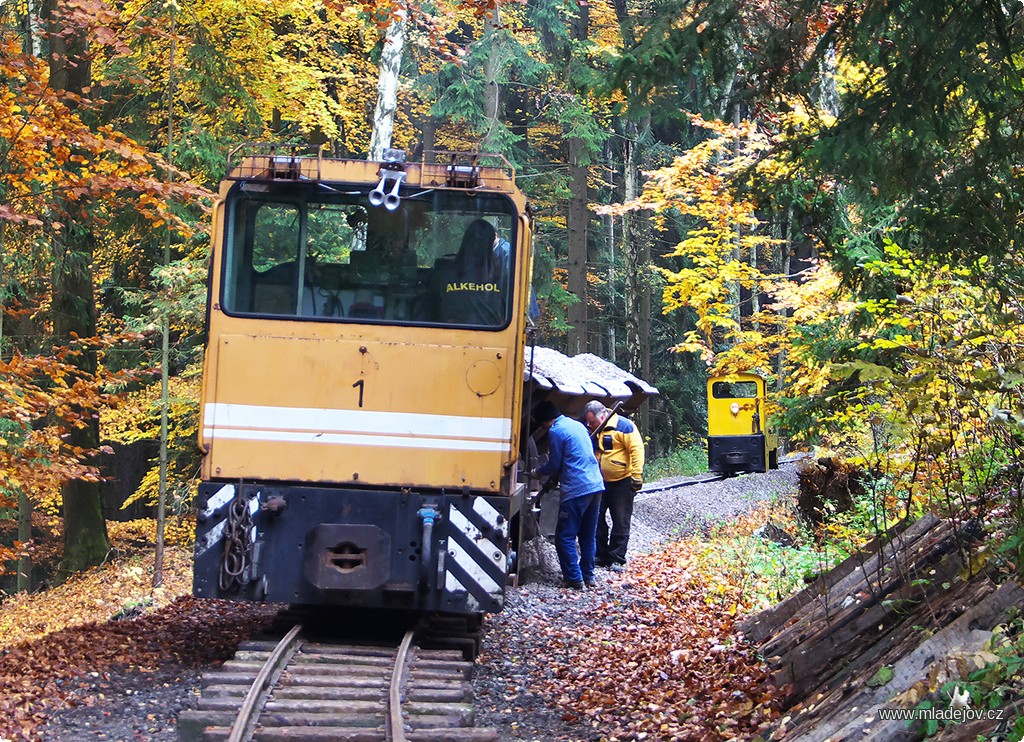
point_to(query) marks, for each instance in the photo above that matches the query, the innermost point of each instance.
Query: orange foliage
(41, 399)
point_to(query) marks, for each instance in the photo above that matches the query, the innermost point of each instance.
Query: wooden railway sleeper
(340, 693)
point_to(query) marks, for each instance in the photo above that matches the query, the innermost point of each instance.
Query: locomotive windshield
(321, 253)
(734, 389)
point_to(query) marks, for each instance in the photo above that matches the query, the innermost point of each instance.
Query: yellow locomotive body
(740, 438)
(362, 391)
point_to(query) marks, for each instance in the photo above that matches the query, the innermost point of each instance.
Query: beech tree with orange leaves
(65, 176)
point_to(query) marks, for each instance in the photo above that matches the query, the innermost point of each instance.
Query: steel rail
(677, 485)
(245, 722)
(396, 725)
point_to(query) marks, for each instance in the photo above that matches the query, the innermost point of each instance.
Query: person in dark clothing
(472, 289)
(620, 449)
(571, 458)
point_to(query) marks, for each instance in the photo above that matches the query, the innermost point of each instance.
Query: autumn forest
(831, 194)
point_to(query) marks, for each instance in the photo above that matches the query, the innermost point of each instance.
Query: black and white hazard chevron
(474, 563)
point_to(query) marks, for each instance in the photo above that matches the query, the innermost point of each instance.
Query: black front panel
(730, 454)
(334, 546)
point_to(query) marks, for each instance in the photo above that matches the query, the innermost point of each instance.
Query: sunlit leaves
(722, 232)
(41, 399)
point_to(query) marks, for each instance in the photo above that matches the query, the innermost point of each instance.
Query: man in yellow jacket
(620, 451)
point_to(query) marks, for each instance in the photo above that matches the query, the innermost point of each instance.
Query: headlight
(734, 408)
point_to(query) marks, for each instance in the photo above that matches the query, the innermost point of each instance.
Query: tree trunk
(631, 254)
(636, 239)
(783, 268)
(636, 259)
(3, 285)
(610, 223)
(387, 87)
(428, 137)
(165, 337)
(518, 112)
(576, 219)
(735, 290)
(24, 536)
(74, 311)
(74, 307)
(644, 237)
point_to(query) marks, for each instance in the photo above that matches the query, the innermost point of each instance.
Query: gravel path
(133, 706)
(510, 667)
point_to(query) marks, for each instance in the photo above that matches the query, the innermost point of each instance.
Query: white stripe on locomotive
(281, 436)
(368, 422)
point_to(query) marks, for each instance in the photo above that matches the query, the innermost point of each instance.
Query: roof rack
(463, 168)
(267, 161)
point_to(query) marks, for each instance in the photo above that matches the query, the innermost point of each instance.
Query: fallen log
(866, 605)
(852, 710)
(771, 620)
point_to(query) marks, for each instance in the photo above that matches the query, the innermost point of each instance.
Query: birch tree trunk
(387, 85)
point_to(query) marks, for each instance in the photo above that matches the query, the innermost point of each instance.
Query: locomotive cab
(739, 435)
(363, 382)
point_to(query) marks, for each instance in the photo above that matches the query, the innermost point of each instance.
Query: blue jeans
(577, 520)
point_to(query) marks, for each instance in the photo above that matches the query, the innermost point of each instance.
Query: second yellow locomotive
(740, 437)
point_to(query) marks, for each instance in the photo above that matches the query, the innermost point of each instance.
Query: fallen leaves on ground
(669, 665)
(95, 596)
(55, 640)
(662, 662)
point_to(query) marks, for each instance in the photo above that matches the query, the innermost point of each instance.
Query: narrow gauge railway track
(298, 690)
(679, 485)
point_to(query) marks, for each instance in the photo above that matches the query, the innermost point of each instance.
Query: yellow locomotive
(740, 438)
(363, 382)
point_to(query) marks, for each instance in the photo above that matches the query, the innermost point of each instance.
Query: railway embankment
(646, 655)
(868, 650)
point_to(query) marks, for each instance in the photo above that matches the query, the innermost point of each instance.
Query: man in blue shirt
(571, 458)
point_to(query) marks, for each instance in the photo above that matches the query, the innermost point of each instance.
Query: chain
(237, 542)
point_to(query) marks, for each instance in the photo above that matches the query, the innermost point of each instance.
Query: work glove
(637, 483)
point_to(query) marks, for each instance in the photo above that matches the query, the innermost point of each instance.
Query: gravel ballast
(137, 706)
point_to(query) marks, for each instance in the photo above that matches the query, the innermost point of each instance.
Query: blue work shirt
(571, 457)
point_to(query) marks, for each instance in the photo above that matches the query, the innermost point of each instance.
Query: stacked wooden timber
(884, 629)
